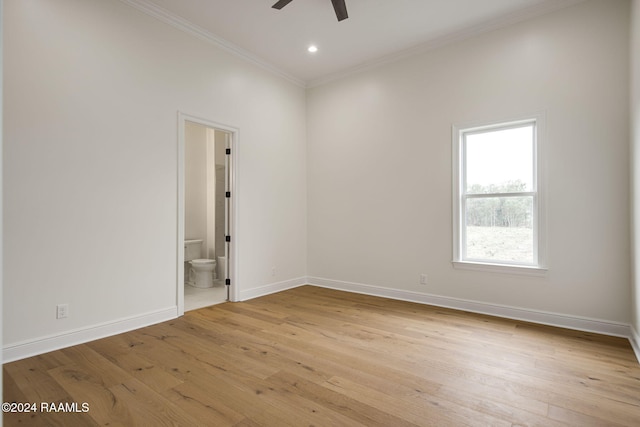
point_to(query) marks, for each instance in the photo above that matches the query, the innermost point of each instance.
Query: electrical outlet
(62, 311)
(424, 279)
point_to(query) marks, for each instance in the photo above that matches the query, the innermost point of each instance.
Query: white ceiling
(375, 31)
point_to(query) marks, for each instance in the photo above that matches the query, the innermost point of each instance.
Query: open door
(227, 208)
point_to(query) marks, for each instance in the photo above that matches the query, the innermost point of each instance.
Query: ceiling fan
(338, 6)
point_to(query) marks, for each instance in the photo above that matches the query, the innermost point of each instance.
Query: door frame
(232, 254)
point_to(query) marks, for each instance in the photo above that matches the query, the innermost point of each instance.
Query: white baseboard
(634, 339)
(534, 316)
(271, 288)
(49, 343)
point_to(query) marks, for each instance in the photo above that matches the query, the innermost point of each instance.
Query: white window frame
(539, 266)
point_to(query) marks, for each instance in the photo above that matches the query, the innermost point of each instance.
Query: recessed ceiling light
(312, 49)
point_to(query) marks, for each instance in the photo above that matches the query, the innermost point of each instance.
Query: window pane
(499, 229)
(499, 161)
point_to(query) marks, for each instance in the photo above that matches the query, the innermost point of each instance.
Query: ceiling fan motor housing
(339, 7)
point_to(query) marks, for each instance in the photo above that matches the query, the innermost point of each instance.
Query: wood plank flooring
(318, 357)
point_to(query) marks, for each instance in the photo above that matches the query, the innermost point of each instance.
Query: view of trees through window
(500, 211)
(498, 200)
(500, 229)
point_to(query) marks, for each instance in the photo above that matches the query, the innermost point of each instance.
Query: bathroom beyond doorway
(205, 205)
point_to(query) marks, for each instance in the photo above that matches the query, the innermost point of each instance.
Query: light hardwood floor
(313, 356)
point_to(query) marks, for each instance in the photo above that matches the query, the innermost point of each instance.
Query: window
(497, 200)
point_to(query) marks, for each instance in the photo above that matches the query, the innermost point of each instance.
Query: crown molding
(182, 24)
(540, 9)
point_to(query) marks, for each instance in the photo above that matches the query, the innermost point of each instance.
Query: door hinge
(228, 194)
(228, 151)
(227, 238)
(227, 282)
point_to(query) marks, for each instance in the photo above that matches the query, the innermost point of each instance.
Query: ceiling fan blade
(281, 3)
(341, 9)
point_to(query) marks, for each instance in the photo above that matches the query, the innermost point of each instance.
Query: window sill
(500, 268)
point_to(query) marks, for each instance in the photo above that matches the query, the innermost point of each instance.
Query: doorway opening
(205, 256)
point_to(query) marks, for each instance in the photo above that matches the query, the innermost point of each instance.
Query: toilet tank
(192, 249)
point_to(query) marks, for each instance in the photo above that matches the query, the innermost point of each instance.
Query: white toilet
(200, 271)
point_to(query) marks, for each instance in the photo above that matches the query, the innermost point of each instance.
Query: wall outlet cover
(62, 311)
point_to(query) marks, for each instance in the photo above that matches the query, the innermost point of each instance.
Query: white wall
(379, 168)
(202, 191)
(635, 164)
(195, 182)
(92, 91)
